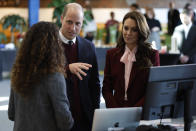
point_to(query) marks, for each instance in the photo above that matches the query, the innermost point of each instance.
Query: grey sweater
(46, 110)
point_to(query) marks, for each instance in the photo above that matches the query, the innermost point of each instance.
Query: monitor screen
(165, 91)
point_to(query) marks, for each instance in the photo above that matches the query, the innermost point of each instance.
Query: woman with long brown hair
(126, 69)
(38, 99)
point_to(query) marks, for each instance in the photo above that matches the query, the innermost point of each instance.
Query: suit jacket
(186, 46)
(46, 110)
(89, 87)
(173, 20)
(114, 81)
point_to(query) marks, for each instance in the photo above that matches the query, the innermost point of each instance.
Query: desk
(7, 58)
(178, 123)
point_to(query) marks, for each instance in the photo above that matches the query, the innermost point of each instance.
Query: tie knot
(70, 42)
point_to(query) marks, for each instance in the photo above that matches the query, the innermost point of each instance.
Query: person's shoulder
(113, 51)
(194, 26)
(56, 76)
(116, 21)
(155, 51)
(157, 20)
(55, 81)
(179, 28)
(193, 29)
(83, 40)
(176, 10)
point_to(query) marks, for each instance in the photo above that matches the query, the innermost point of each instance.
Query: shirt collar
(134, 50)
(65, 40)
(187, 28)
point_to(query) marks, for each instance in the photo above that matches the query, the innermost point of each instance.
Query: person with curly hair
(38, 99)
(126, 69)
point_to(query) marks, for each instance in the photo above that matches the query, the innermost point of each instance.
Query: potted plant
(58, 9)
(16, 22)
(2, 37)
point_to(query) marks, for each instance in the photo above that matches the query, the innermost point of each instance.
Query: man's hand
(77, 69)
(184, 59)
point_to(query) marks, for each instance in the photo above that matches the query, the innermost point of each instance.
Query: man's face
(185, 19)
(72, 23)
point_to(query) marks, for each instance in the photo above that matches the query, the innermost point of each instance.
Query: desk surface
(7, 58)
(178, 123)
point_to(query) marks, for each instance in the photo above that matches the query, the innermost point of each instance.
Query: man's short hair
(187, 12)
(68, 6)
(135, 5)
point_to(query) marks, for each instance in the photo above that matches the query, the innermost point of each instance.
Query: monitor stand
(185, 92)
(187, 105)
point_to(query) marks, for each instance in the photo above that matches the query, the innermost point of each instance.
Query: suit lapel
(132, 74)
(122, 67)
(186, 41)
(189, 36)
(189, 33)
(80, 48)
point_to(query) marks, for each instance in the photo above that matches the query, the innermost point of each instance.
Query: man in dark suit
(185, 36)
(83, 84)
(173, 18)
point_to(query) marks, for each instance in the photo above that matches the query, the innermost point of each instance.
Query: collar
(65, 40)
(187, 26)
(186, 29)
(134, 50)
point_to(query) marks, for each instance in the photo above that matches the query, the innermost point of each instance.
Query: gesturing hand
(184, 59)
(77, 69)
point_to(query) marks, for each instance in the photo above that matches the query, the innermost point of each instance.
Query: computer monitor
(169, 90)
(126, 118)
(169, 59)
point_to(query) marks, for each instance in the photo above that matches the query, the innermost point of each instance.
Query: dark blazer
(89, 87)
(187, 46)
(46, 110)
(114, 83)
(173, 20)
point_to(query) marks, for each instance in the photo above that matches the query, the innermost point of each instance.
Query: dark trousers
(81, 126)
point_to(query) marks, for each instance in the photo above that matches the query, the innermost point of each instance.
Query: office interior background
(32, 11)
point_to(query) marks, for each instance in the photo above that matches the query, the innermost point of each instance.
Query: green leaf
(2, 37)
(58, 9)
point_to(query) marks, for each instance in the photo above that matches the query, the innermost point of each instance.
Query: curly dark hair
(41, 53)
(144, 50)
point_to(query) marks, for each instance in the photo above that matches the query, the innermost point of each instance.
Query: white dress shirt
(65, 40)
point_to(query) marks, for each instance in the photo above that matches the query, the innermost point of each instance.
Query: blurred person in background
(111, 27)
(134, 7)
(173, 17)
(89, 26)
(126, 68)
(185, 36)
(38, 99)
(155, 28)
(189, 6)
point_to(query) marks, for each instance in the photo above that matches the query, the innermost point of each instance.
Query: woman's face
(149, 14)
(130, 32)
